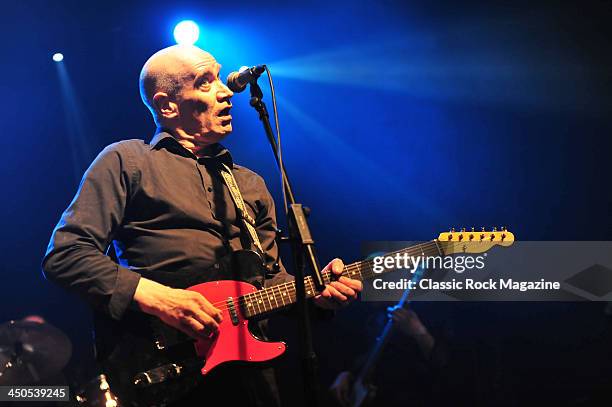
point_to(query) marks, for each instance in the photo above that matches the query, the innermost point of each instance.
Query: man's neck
(191, 142)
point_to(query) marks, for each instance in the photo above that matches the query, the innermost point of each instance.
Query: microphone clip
(237, 81)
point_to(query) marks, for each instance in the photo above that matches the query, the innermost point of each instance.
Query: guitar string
(290, 288)
(348, 270)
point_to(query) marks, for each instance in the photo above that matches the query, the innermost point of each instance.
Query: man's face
(204, 102)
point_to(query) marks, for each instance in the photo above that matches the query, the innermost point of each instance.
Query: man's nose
(225, 92)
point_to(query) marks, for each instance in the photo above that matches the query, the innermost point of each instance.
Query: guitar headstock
(473, 241)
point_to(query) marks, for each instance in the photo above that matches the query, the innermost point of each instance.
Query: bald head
(168, 70)
(182, 88)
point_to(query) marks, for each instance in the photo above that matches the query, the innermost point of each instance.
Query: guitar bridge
(232, 311)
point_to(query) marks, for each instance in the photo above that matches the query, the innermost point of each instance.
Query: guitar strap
(247, 220)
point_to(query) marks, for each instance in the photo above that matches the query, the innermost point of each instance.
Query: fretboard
(283, 295)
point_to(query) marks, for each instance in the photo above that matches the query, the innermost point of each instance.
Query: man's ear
(164, 106)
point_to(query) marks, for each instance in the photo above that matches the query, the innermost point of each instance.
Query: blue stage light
(186, 32)
(58, 57)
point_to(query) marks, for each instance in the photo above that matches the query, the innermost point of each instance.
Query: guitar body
(234, 342)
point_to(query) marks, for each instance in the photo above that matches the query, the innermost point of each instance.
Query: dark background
(399, 121)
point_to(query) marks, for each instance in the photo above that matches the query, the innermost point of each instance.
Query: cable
(279, 150)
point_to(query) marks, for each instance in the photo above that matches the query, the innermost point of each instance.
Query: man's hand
(410, 325)
(339, 292)
(187, 311)
(407, 321)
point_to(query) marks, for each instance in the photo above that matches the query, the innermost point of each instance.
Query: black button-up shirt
(164, 209)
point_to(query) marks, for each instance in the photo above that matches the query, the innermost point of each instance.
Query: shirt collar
(215, 152)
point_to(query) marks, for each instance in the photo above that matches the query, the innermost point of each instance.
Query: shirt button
(209, 189)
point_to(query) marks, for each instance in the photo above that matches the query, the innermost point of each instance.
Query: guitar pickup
(232, 311)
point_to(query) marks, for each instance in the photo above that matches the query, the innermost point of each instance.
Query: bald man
(166, 211)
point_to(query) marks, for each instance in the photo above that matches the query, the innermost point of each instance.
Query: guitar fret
(275, 299)
(438, 247)
(257, 302)
(261, 300)
(268, 295)
(249, 304)
(310, 287)
(369, 270)
(282, 295)
(254, 302)
(246, 305)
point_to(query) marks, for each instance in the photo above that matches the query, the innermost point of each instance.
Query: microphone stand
(303, 251)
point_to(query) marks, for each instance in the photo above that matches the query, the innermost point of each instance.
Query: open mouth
(225, 113)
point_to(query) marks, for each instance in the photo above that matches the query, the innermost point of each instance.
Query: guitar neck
(281, 296)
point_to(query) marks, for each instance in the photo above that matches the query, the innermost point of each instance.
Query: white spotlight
(186, 32)
(58, 57)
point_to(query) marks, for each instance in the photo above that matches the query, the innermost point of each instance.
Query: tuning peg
(472, 228)
(504, 229)
(482, 229)
(495, 229)
(452, 230)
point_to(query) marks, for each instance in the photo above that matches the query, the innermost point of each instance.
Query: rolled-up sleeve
(76, 256)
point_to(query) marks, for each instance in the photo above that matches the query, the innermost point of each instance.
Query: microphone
(237, 81)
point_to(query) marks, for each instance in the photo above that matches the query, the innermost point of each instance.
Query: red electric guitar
(159, 362)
